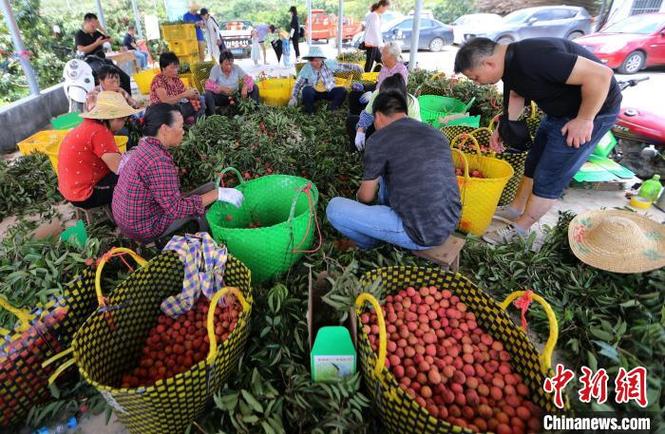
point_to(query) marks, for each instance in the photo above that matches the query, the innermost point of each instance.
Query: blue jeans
(142, 58)
(309, 96)
(551, 163)
(369, 225)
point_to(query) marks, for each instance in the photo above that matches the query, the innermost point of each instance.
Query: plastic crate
(67, 121)
(178, 32)
(276, 91)
(187, 79)
(53, 149)
(191, 59)
(144, 79)
(184, 47)
(40, 141)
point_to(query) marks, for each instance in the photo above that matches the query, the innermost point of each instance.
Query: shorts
(551, 163)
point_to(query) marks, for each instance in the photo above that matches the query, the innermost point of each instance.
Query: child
(256, 55)
(286, 47)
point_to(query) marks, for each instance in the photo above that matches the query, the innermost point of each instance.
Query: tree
(448, 11)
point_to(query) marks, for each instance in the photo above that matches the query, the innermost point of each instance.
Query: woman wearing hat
(147, 202)
(88, 158)
(316, 80)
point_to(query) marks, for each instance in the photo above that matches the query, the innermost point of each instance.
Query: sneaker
(504, 235)
(506, 214)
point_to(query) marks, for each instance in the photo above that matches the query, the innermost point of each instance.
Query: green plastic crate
(67, 121)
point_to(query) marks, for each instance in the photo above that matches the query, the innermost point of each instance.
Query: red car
(631, 44)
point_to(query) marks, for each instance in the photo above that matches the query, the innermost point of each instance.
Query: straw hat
(315, 52)
(110, 105)
(617, 241)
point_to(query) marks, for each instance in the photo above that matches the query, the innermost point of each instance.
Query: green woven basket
(433, 107)
(284, 207)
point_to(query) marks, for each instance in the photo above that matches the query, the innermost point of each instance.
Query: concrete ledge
(24, 117)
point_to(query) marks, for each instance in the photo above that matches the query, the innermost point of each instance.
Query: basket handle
(383, 340)
(212, 354)
(219, 181)
(307, 189)
(464, 160)
(23, 315)
(534, 110)
(460, 140)
(116, 251)
(546, 356)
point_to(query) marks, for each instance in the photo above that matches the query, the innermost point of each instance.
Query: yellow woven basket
(480, 196)
(109, 342)
(402, 415)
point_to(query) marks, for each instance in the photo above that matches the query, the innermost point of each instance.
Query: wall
(24, 117)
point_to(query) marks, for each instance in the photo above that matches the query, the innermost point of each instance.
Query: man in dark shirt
(129, 42)
(89, 41)
(409, 164)
(579, 97)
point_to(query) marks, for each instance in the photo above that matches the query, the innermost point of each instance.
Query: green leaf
(267, 428)
(251, 401)
(608, 351)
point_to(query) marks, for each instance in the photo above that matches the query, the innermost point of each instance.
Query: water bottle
(651, 188)
(62, 428)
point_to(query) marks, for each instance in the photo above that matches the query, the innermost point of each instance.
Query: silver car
(554, 21)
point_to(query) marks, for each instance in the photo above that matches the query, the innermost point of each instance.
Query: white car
(473, 23)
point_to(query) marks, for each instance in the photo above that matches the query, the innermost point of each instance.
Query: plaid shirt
(309, 77)
(147, 198)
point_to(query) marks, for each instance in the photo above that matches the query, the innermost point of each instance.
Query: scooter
(79, 80)
(641, 138)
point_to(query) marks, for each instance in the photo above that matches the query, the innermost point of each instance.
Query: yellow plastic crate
(41, 140)
(184, 48)
(343, 82)
(189, 59)
(144, 78)
(52, 150)
(276, 91)
(178, 32)
(187, 79)
(371, 77)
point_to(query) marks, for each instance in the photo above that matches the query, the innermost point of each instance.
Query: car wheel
(505, 40)
(436, 44)
(575, 35)
(633, 63)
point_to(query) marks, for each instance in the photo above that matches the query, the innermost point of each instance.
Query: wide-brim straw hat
(617, 241)
(314, 53)
(110, 105)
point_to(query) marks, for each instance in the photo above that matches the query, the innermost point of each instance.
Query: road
(643, 96)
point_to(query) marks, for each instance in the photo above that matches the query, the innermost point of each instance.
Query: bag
(400, 413)
(301, 33)
(513, 133)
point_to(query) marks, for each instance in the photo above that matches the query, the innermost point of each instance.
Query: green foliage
(26, 185)
(448, 11)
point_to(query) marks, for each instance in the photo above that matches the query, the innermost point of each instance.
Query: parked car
(434, 35)
(472, 24)
(324, 26)
(558, 21)
(237, 36)
(631, 44)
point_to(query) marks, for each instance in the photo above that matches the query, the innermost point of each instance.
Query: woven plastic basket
(284, 208)
(402, 415)
(482, 139)
(480, 196)
(110, 341)
(433, 107)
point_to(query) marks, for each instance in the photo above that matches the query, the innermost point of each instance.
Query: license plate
(237, 44)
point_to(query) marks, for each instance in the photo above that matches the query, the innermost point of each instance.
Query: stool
(447, 254)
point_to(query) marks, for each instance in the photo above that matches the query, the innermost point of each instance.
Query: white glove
(293, 102)
(230, 195)
(364, 98)
(360, 140)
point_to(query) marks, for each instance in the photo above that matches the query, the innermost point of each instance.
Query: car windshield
(517, 16)
(636, 24)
